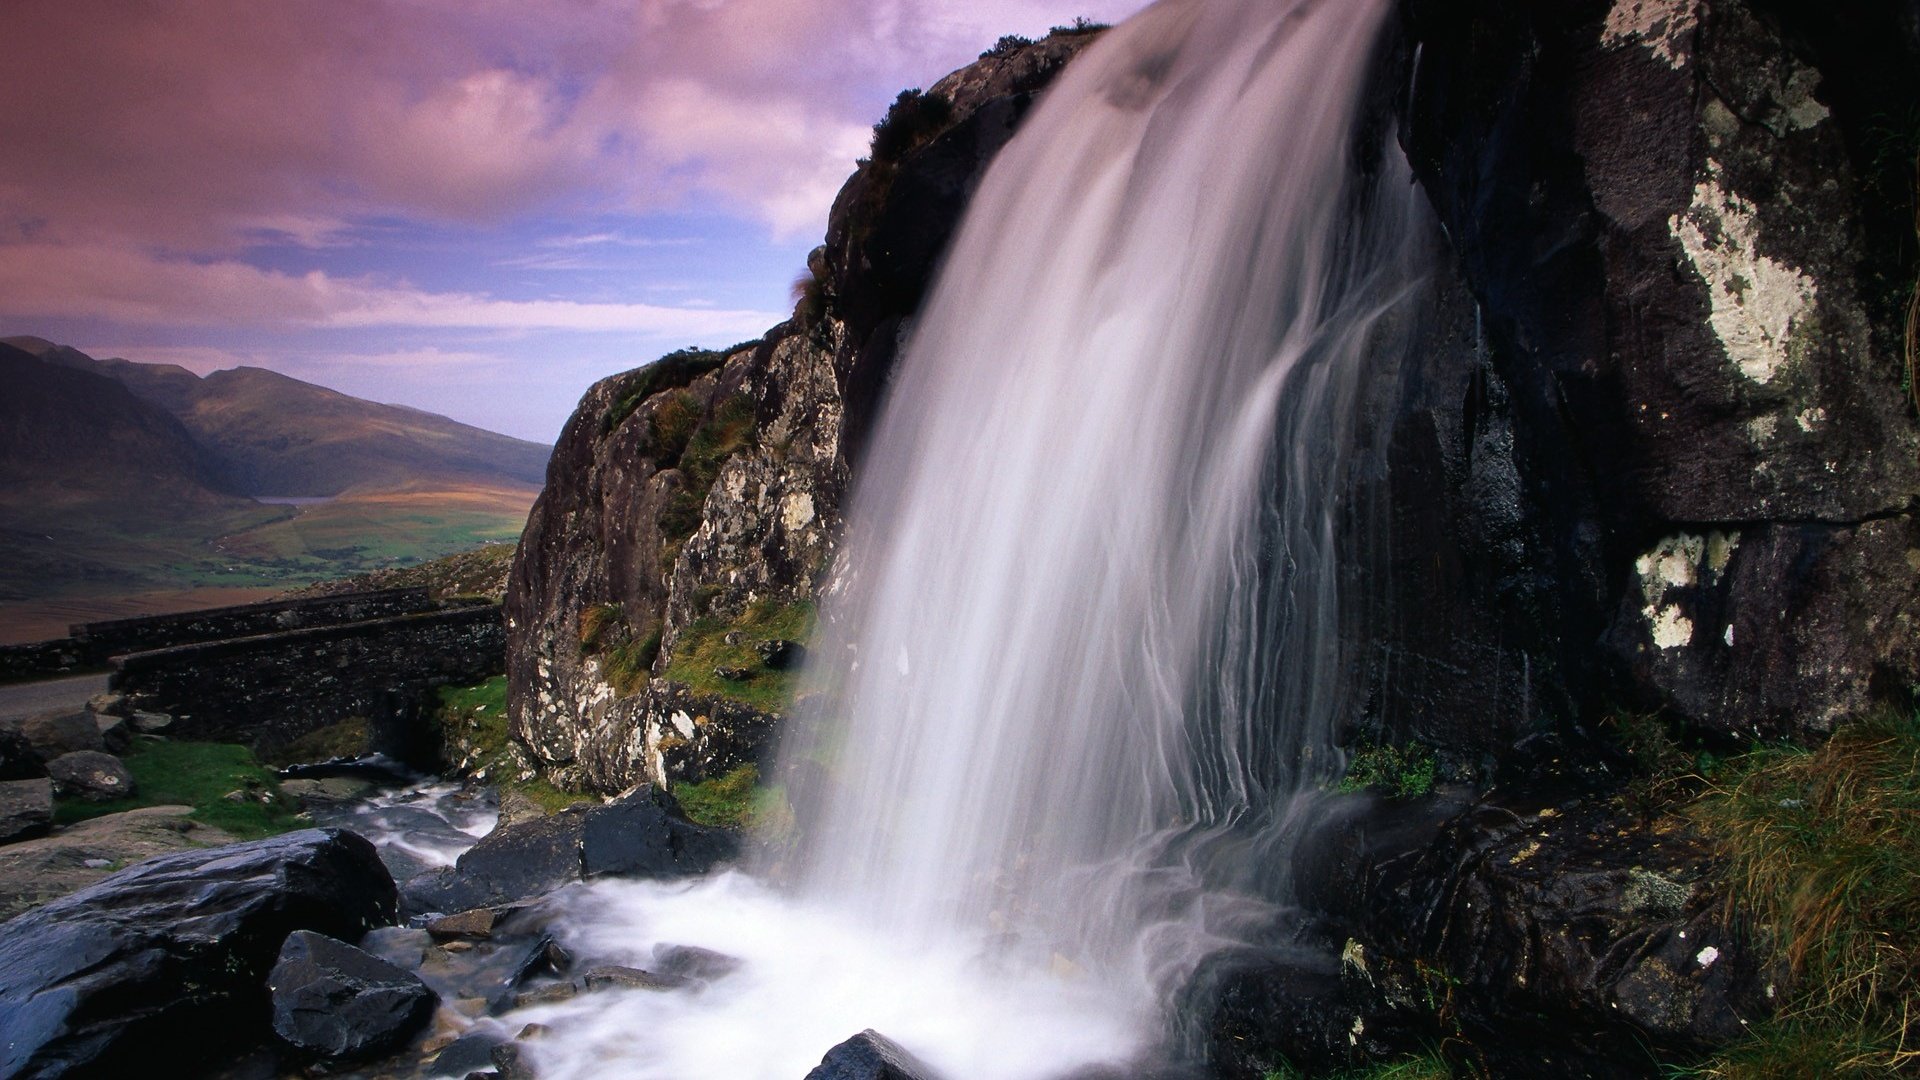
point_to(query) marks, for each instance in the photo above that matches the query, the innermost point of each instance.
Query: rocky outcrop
(700, 497)
(91, 776)
(26, 809)
(1675, 467)
(35, 871)
(166, 961)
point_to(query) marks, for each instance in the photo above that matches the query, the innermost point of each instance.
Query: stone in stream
(643, 835)
(477, 923)
(339, 1003)
(91, 776)
(871, 1056)
(26, 809)
(165, 962)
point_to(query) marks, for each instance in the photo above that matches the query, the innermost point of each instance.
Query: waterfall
(1081, 659)
(1088, 623)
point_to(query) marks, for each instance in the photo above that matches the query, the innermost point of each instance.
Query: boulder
(26, 809)
(871, 1056)
(780, 654)
(90, 775)
(336, 1002)
(17, 759)
(55, 733)
(115, 732)
(643, 835)
(166, 961)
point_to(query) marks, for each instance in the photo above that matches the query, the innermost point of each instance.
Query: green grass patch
(736, 801)
(200, 775)
(473, 725)
(1823, 858)
(1403, 772)
(702, 650)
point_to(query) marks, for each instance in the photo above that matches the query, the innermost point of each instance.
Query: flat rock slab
(91, 775)
(339, 1003)
(871, 1056)
(164, 964)
(33, 872)
(642, 836)
(26, 809)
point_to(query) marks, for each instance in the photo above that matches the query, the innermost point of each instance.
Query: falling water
(1083, 653)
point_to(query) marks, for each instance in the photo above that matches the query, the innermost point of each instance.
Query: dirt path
(26, 699)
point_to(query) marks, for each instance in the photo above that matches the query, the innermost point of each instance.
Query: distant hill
(127, 488)
(69, 435)
(264, 433)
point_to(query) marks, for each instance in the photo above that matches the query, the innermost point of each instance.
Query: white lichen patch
(1760, 428)
(1705, 957)
(1810, 418)
(1679, 562)
(1664, 27)
(1798, 107)
(796, 511)
(1756, 301)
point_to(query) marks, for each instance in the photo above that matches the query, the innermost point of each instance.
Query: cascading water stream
(1083, 652)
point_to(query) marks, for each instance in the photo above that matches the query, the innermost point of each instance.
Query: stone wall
(93, 644)
(270, 689)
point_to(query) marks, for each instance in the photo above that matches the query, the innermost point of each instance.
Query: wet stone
(871, 1056)
(90, 775)
(341, 1003)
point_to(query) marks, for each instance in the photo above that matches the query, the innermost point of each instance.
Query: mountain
(264, 433)
(68, 434)
(128, 488)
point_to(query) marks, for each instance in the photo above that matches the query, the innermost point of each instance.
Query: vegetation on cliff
(476, 744)
(721, 658)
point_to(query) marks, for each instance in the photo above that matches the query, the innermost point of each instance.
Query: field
(88, 564)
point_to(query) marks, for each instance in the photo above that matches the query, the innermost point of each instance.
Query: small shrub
(727, 432)
(1006, 46)
(672, 371)
(1402, 772)
(912, 120)
(809, 299)
(674, 421)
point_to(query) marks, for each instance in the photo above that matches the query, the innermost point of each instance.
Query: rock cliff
(692, 504)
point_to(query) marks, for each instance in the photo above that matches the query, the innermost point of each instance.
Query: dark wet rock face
(338, 1003)
(871, 1056)
(1686, 371)
(642, 836)
(166, 961)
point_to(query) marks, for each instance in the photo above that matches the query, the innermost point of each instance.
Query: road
(26, 699)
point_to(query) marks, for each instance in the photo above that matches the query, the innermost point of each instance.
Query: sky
(475, 207)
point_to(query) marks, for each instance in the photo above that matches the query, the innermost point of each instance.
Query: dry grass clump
(1824, 863)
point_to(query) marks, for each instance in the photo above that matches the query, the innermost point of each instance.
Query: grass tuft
(702, 650)
(1823, 855)
(736, 801)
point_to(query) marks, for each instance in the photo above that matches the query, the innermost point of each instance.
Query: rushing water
(1084, 653)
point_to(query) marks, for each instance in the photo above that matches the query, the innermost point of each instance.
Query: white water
(1083, 654)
